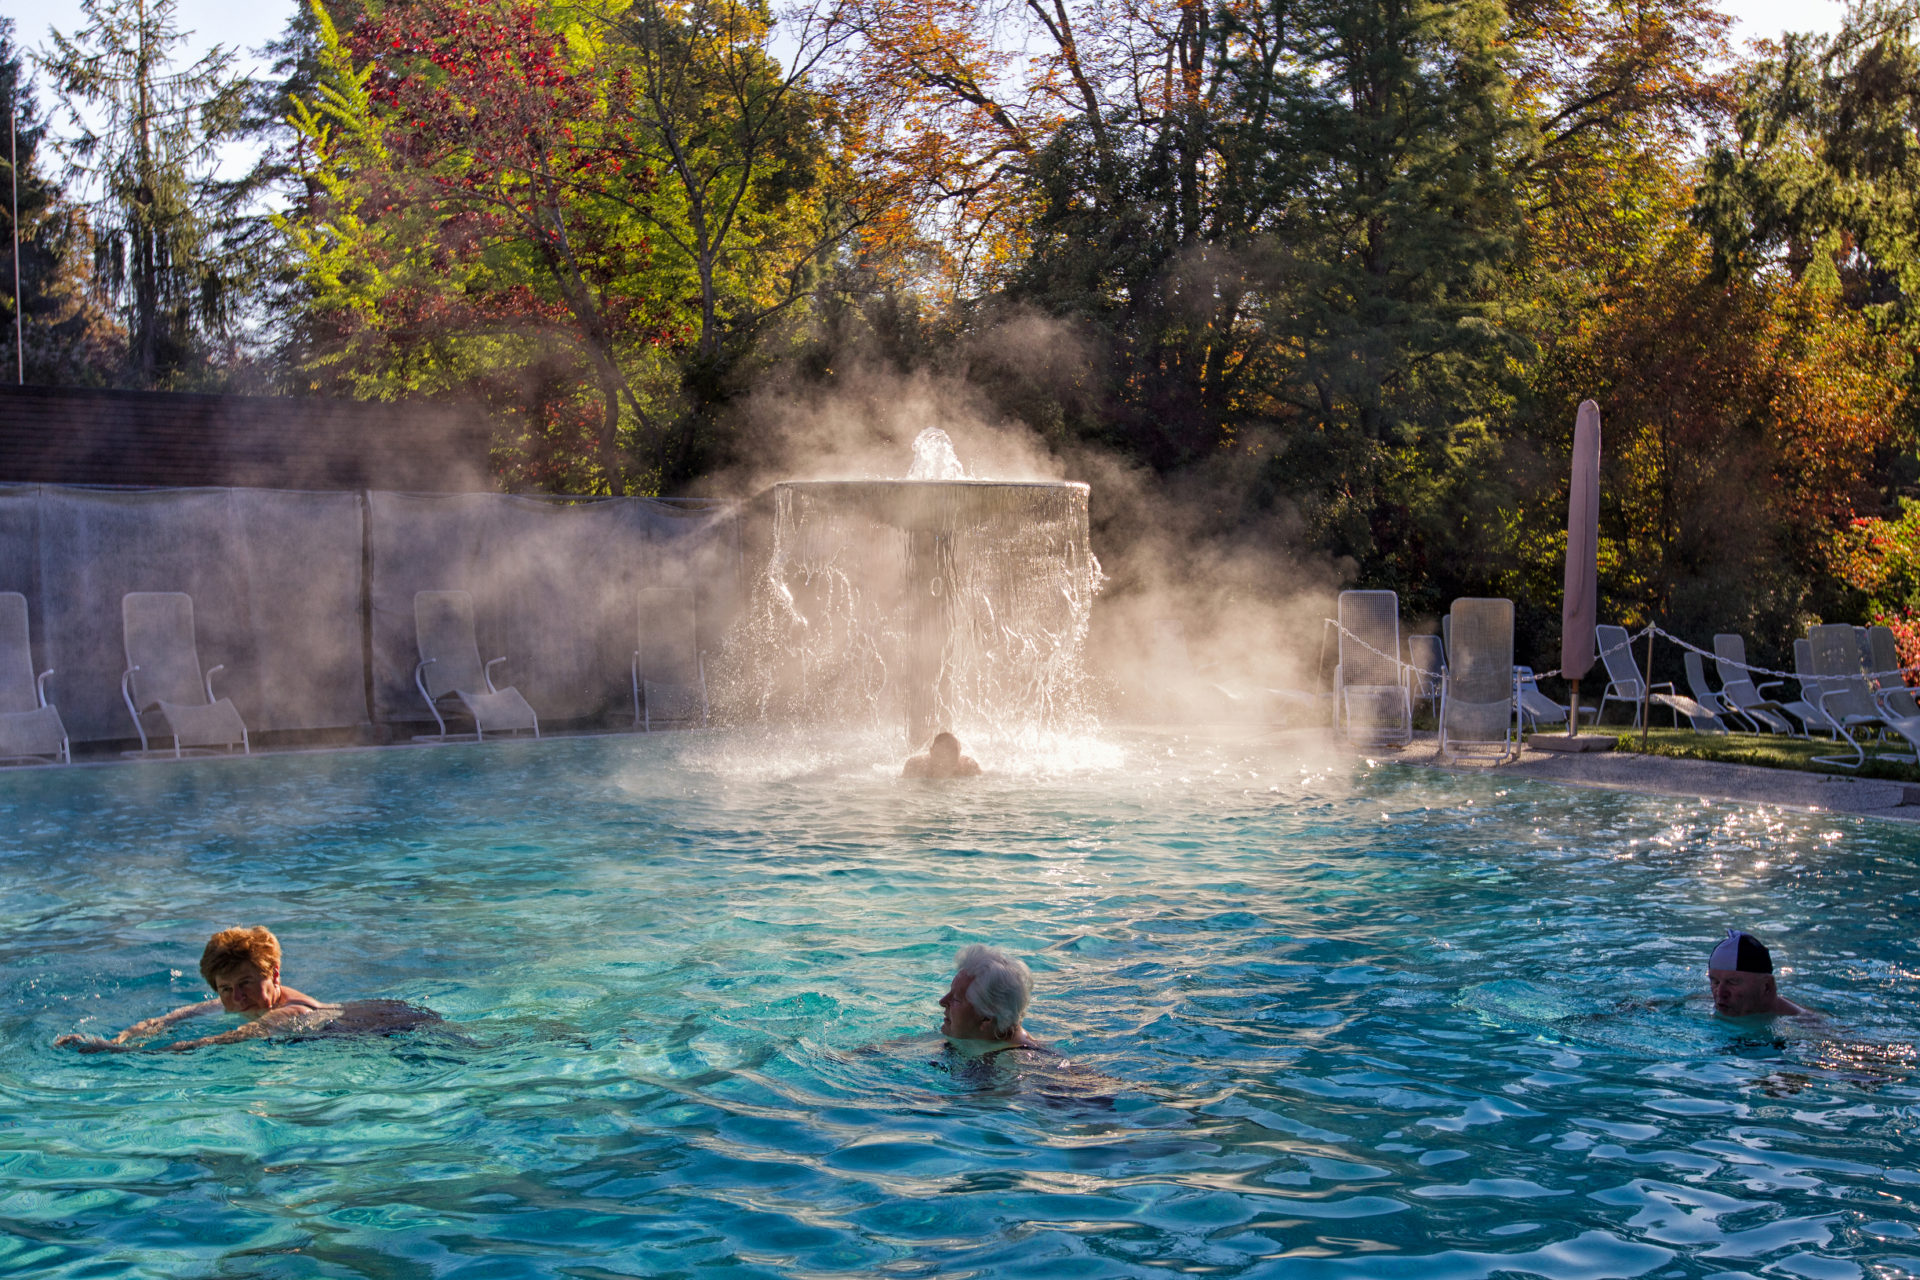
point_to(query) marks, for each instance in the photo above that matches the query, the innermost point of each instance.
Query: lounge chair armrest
(126, 696)
(1771, 684)
(488, 672)
(1883, 702)
(218, 666)
(40, 685)
(1820, 701)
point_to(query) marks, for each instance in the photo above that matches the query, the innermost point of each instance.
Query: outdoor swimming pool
(1322, 1025)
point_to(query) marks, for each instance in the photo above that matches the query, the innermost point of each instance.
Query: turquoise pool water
(1322, 1022)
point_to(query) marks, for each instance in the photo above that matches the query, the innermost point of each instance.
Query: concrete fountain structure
(931, 602)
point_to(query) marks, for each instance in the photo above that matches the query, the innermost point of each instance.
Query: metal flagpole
(13, 170)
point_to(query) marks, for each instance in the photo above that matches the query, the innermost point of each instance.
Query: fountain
(935, 601)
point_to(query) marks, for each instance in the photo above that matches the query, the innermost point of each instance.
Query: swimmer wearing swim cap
(1740, 972)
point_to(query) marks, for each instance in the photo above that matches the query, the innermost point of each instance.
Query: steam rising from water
(1211, 599)
(935, 602)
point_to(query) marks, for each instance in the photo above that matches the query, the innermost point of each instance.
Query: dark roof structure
(68, 435)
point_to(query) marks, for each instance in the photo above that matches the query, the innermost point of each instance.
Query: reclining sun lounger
(1478, 711)
(1371, 703)
(1883, 656)
(1738, 688)
(1536, 708)
(1626, 684)
(1808, 706)
(1710, 699)
(163, 683)
(450, 667)
(1847, 698)
(669, 671)
(29, 727)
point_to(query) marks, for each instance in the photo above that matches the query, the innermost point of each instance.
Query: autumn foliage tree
(472, 227)
(586, 217)
(1338, 268)
(1746, 425)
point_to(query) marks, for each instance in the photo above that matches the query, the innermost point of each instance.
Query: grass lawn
(1767, 751)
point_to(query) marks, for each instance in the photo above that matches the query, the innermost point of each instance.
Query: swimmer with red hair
(242, 966)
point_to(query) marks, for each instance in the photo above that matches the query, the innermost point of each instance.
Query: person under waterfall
(941, 759)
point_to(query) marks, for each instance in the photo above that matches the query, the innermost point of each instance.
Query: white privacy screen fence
(308, 597)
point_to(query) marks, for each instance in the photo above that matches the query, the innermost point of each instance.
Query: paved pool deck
(1705, 779)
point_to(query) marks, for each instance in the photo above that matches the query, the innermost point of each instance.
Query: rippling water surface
(1322, 1021)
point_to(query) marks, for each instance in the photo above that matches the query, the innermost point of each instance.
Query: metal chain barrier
(1878, 677)
(1538, 675)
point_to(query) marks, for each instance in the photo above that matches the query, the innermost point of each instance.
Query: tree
(1823, 171)
(505, 191)
(1747, 422)
(752, 198)
(66, 338)
(145, 141)
(473, 220)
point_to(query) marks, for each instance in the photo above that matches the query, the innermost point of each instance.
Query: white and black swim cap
(1742, 952)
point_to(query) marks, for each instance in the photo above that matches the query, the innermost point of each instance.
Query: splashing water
(934, 603)
(934, 458)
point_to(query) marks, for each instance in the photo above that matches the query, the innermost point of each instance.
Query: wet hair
(1741, 952)
(230, 947)
(944, 741)
(1002, 984)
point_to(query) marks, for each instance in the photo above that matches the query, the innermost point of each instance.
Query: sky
(247, 26)
(241, 26)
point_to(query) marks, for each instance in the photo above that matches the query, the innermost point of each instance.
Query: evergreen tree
(170, 237)
(66, 339)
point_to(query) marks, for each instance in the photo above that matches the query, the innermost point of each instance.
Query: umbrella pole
(1573, 711)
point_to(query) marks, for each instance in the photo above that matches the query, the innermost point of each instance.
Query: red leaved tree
(479, 211)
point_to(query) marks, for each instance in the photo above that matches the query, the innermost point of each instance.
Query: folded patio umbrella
(1579, 608)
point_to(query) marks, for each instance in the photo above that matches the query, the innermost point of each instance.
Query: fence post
(1646, 692)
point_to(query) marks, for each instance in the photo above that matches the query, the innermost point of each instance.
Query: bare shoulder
(916, 766)
(969, 767)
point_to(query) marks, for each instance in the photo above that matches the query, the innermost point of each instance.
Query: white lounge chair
(1707, 697)
(163, 681)
(1808, 705)
(1626, 684)
(450, 667)
(1847, 698)
(1738, 688)
(30, 727)
(1479, 714)
(1536, 708)
(1371, 701)
(669, 671)
(1883, 658)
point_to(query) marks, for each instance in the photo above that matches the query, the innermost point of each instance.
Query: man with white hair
(990, 993)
